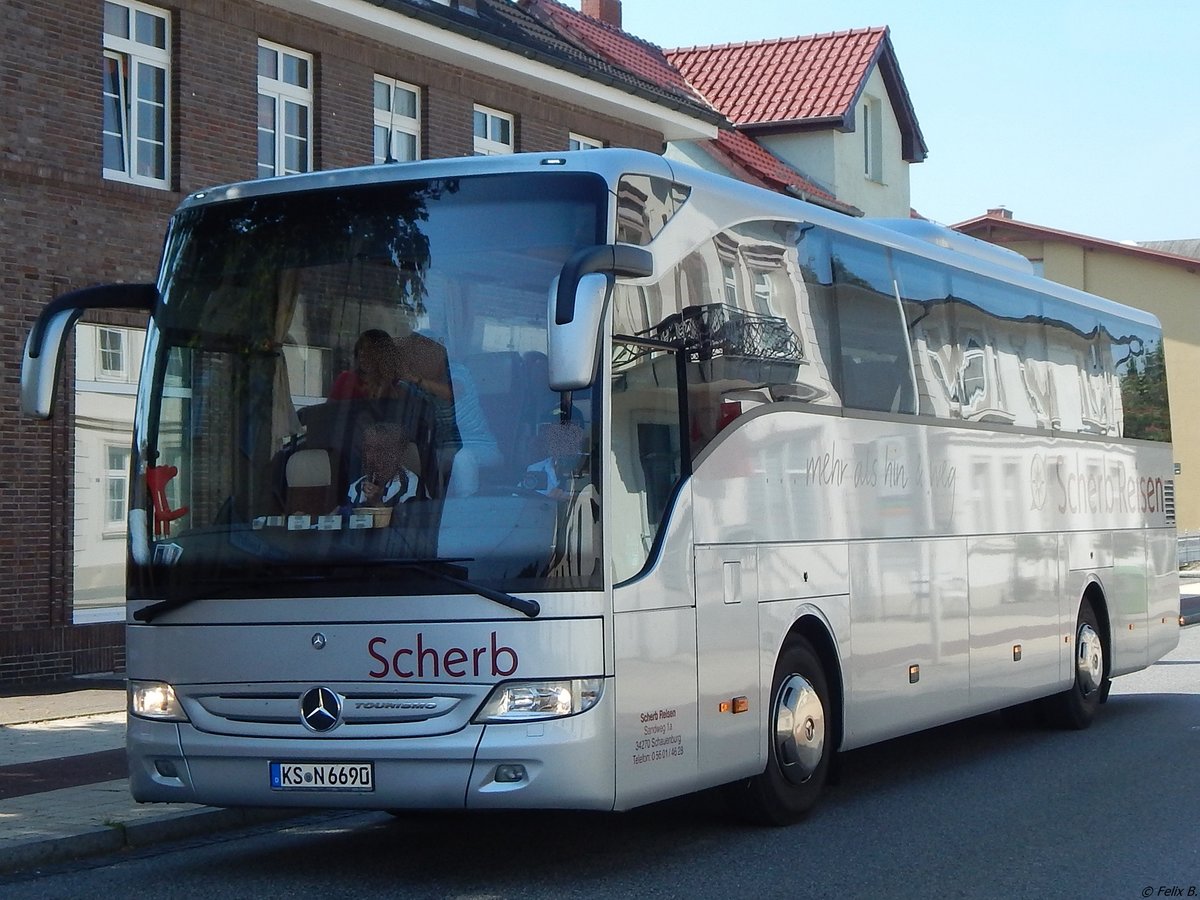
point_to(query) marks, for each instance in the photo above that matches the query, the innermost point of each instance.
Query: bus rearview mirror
(577, 302)
(573, 346)
(48, 337)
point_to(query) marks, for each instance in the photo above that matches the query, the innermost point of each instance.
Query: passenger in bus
(387, 479)
(479, 449)
(424, 363)
(383, 363)
(376, 369)
(554, 475)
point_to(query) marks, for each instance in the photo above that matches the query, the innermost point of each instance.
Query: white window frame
(393, 124)
(490, 143)
(135, 60)
(580, 142)
(764, 291)
(119, 372)
(729, 278)
(282, 94)
(116, 489)
(872, 132)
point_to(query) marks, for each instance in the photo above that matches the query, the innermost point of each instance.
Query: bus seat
(309, 479)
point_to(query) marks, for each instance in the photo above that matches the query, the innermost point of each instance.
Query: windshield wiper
(430, 567)
(530, 608)
(154, 610)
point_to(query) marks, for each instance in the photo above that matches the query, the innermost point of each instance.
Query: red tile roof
(618, 47)
(783, 80)
(758, 165)
(738, 152)
(800, 82)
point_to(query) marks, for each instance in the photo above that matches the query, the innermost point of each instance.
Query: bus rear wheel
(799, 742)
(1075, 707)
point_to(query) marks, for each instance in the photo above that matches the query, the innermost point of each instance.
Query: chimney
(1000, 212)
(607, 11)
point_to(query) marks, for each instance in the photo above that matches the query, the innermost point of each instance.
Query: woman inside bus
(376, 368)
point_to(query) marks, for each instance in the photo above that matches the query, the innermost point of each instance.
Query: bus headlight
(155, 700)
(524, 701)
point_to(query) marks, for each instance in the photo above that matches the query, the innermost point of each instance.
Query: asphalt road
(979, 809)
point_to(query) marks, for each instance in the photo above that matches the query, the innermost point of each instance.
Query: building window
(397, 121)
(111, 354)
(285, 104)
(116, 481)
(579, 142)
(764, 292)
(137, 74)
(729, 276)
(872, 132)
(493, 132)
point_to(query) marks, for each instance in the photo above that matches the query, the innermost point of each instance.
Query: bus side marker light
(724, 706)
(914, 674)
(741, 705)
(1016, 652)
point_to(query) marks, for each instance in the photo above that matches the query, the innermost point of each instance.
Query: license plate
(322, 776)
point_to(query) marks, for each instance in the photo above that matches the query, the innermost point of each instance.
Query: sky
(1079, 115)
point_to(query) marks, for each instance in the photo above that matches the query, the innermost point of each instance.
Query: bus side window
(876, 370)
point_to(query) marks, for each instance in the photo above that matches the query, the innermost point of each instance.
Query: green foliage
(1144, 397)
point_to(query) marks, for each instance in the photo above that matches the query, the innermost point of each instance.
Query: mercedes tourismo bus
(592, 479)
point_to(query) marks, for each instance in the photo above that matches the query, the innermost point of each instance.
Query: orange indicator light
(741, 704)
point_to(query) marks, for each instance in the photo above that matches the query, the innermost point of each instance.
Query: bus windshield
(346, 393)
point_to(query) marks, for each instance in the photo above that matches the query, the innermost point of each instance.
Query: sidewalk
(63, 787)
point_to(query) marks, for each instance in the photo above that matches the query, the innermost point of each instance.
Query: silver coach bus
(588, 480)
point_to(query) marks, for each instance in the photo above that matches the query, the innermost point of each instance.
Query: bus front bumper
(557, 763)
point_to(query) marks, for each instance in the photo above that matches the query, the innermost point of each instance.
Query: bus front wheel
(799, 742)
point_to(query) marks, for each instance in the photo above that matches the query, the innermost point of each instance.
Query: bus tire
(799, 742)
(1075, 708)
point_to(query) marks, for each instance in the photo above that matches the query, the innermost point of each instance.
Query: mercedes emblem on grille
(321, 709)
(318, 641)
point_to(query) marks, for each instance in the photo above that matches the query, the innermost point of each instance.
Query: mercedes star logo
(321, 709)
(318, 641)
(1037, 481)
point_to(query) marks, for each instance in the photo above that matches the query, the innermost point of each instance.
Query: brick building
(111, 112)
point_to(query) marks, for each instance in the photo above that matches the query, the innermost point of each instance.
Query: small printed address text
(658, 739)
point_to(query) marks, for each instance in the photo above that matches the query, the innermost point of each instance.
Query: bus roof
(745, 201)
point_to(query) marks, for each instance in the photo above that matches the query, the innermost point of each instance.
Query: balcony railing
(718, 330)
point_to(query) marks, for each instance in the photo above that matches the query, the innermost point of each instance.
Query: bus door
(728, 664)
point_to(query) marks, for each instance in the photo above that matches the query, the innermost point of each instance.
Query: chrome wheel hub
(1089, 659)
(799, 729)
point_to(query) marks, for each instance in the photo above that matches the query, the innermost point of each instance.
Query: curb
(122, 836)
